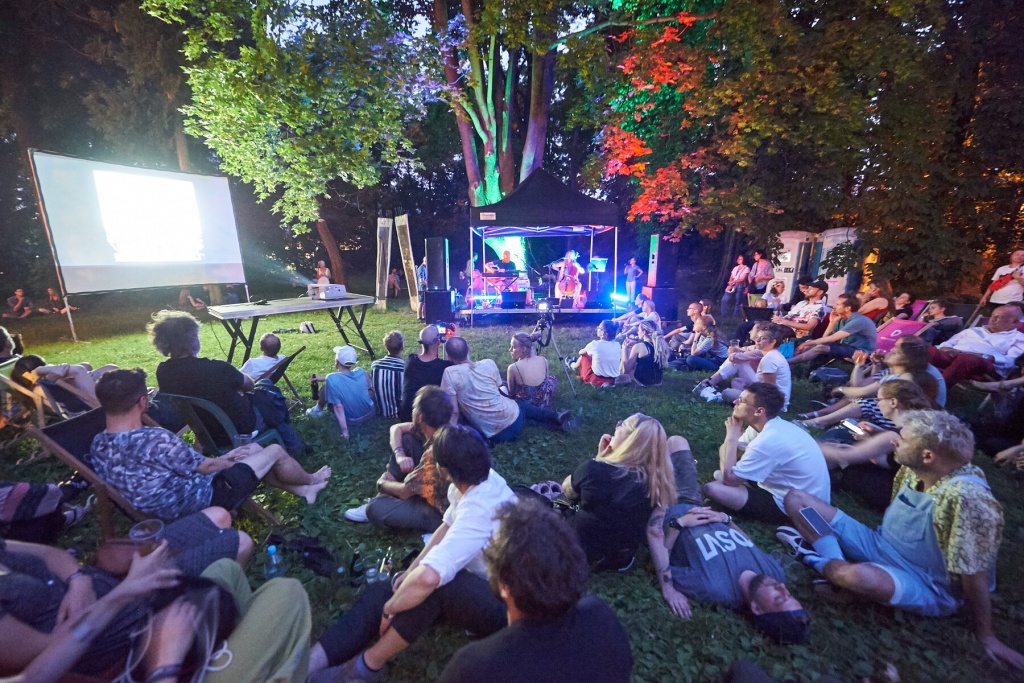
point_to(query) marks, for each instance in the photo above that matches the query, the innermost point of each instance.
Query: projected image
(148, 219)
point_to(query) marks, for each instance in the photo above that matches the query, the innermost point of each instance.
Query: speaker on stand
(661, 277)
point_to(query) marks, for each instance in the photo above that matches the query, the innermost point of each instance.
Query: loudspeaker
(513, 300)
(437, 264)
(661, 267)
(666, 301)
(439, 304)
(599, 299)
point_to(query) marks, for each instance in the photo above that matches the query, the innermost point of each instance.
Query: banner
(383, 261)
(409, 264)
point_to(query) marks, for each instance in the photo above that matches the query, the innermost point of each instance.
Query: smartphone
(853, 427)
(817, 522)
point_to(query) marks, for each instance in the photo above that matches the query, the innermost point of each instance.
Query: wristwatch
(675, 524)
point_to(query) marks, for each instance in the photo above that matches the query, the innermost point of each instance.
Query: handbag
(1003, 281)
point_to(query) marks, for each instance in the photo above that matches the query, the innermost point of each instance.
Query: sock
(363, 668)
(828, 548)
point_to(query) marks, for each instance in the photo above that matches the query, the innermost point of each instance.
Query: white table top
(278, 306)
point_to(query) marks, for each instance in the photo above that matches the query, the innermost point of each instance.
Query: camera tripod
(546, 324)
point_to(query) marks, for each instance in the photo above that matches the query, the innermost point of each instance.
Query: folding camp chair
(891, 331)
(278, 372)
(918, 308)
(70, 441)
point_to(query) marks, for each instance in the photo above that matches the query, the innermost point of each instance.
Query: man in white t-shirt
(475, 388)
(1013, 290)
(777, 456)
(270, 348)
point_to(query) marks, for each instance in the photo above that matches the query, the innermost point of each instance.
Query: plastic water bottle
(273, 567)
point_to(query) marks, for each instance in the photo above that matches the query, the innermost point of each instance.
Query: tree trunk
(542, 78)
(181, 147)
(725, 265)
(331, 244)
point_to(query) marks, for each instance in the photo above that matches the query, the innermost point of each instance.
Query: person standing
(632, 271)
(323, 273)
(1007, 283)
(761, 273)
(421, 277)
(736, 288)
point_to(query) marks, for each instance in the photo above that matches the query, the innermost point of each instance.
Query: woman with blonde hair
(619, 490)
(645, 362)
(528, 377)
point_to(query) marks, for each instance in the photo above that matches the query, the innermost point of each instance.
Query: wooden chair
(279, 372)
(69, 441)
(199, 414)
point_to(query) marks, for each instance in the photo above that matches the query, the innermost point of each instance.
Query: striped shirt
(387, 384)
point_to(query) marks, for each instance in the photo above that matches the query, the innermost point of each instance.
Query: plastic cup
(239, 440)
(371, 575)
(147, 534)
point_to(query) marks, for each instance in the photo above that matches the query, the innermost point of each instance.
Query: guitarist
(1007, 284)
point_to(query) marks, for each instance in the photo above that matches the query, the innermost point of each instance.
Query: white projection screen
(118, 227)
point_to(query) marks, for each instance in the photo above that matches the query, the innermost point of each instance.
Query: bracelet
(400, 448)
(169, 671)
(75, 576)
(728, 519)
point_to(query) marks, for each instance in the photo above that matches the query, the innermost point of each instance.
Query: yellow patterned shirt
(968, 519)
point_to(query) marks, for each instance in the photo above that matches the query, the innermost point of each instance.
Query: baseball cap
(345, 355)
(819, 284)
(791, 628)
(429, 335)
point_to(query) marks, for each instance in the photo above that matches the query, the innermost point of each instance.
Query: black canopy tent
(544, 206)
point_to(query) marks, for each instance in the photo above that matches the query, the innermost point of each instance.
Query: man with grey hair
(981, 352)
(938, 541)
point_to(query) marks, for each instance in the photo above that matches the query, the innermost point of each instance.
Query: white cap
(345, 355)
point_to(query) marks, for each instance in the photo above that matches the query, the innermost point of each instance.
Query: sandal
(548, 489)
(73, 514)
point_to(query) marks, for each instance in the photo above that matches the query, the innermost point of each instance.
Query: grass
(849, 642)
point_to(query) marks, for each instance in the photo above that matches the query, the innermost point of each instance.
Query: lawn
(847, 641)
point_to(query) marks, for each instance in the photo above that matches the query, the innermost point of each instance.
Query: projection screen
(118, 227)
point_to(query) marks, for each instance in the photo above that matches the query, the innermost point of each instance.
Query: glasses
(763, 339)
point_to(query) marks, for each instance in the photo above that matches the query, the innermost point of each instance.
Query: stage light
(620, 297)
(543, 305)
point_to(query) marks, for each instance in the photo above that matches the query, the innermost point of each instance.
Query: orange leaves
(621, 149)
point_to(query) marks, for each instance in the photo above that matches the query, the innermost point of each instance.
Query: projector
(326, 292)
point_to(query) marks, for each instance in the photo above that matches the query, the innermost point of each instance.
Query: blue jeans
(703, 363)
(540, 416)
(737, 297)
(510, 433)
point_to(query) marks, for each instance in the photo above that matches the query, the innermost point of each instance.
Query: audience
(804, 316)
(21, 306)
(940, 326)
(422, 369)
(11, 347)
(250, 407)
(618, 490)
(448, 577)
(903, 306)
(772, 367)
(527, 376)
(741, 362)
(556, 630)
(761, 273)
(776, 456)
(347, 391)
(708, 350)
(680, 338)
(848, 332)
(54, 303)
(270, 355)
(633, 315)
(160, 475)
(386, 376)
(773, 297)
(982, 353)
(877, 300)
(599, 361)
(648, 314)
(644, 363)
(475, 388)
(29, 371)
(736, 288)
(938, 540)
(411, 493)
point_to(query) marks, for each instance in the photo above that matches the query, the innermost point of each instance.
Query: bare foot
(320, 476)
(310, 492)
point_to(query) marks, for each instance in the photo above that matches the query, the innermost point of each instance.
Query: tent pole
(67, 309)
(469, 275)
(590, 273)
(615, 277)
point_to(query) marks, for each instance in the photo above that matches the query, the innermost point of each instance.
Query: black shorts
(233, 486)
(761, 505)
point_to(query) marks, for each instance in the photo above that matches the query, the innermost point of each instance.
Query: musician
(632, 272)
(569, 275)
(505, 265)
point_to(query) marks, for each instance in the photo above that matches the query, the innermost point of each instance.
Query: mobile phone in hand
(853, 427)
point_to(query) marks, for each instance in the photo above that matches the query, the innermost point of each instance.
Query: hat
(429, 335)
(345, 355)
(819, 284)
(791, 628)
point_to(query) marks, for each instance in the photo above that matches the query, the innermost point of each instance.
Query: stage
(531, 312)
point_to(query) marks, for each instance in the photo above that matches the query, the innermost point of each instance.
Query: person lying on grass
(162, 476)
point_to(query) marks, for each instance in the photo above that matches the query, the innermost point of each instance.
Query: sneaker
(315, 411)
(357, 514)
(352, 672)
(710, 395)
(566, 421)
(797, 546)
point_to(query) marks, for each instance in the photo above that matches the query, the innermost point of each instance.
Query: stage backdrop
(118, 227)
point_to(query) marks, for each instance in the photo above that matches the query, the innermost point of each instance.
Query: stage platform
(516, 315)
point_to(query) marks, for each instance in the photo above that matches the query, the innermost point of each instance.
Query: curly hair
(939, 432)
(174, 333)
(645, 452)
(536, 556)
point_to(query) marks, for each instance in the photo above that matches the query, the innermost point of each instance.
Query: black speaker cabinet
(513, 300)
(437, 263)
(439, 304)
(661, 267)
(666, 301)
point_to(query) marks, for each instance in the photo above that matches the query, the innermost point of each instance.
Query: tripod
(546, 325)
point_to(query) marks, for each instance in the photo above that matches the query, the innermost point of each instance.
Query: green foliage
(292, 96)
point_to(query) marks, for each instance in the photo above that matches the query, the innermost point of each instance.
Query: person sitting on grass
(772, 368)
(386, 375)
(777, 456)
(557, 631)
(741, 362)
(270, 355)
(982, 353)
(21, 306)
(679, 339)
(347, 391)
(645, 362)
(160, 475)
(848, 332)
(707, 350)
(866, 465)
(411, 493)
(648, 314)
(618, 490)
(447, 578)
(598, 362)
(422, 369)
(939, 537)
(528, 378)
(633, 315)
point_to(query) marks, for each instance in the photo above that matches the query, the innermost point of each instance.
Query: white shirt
(783, 457)
(739, 275)
(775, 363)
(1004, 347)
(605, 355)
(258, 365)
(471, 524)
(1011, 292)
(475, 388)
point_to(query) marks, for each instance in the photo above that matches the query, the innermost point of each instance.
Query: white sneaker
(357, 514)
(315, 411)
(710, 395)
